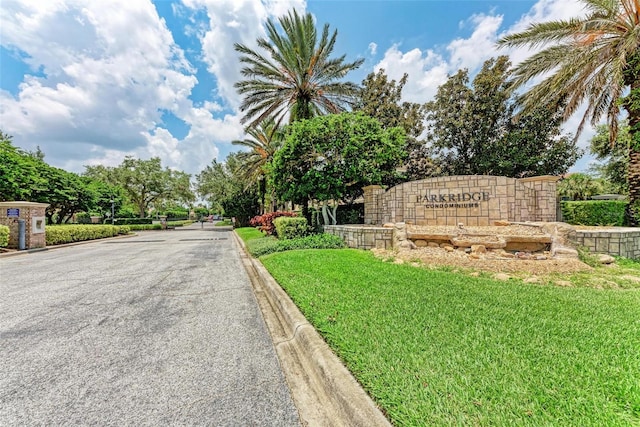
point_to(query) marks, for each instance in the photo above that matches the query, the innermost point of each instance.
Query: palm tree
(593, 60)
(296, 77)
(265, 139)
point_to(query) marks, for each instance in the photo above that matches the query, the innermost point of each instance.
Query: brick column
(373, 204)
(545, 203)
(34, 216)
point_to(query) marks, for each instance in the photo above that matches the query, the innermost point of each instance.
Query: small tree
(330, 158)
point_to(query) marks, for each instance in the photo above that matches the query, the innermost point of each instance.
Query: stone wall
(475, 200)
(619, 241)
(363, 237)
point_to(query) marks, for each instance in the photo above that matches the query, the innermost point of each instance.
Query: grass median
(434, 347)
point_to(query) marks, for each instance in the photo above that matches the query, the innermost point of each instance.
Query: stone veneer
(362, 236)
(30, 212)
(619, 241)
(474, 200)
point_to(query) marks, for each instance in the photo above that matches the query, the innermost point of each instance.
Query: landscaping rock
(420, 243)
(400, 240)
(501, 276)
(606, 259)
(501, 223)
(433, 245)
(480, 249)
(532, 279)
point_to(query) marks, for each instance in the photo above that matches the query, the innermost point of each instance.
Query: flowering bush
(265, 222)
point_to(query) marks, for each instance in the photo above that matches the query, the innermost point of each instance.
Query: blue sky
(90, 82)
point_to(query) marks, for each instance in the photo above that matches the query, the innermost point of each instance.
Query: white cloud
(230, 22)
(109, 69)
(373, 48)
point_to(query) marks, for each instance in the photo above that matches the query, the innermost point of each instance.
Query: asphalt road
(157, 329)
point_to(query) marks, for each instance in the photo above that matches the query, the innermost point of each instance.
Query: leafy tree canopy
(473, 128)
(332, 157)
(381, 99)
(225, 187)
(613, 165)
(146, 182)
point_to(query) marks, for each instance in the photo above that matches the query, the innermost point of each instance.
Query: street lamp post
(112, 211)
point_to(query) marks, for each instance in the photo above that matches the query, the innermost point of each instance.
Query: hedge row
(4, 236)
(268, 245)
(59, 234)
(141, 227)
(132, 221)
(594, 212)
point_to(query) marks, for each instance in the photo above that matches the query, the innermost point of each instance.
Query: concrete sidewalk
(158, 329)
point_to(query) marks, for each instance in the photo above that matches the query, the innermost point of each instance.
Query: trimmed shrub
(269, 245)
(291, 227)
(265, 221)
(132, 221)
(594, 212)
(59, 234)
(180, 223)
(141, 227)
(4, 236)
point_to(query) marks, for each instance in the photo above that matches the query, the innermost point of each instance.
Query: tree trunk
(631, 104)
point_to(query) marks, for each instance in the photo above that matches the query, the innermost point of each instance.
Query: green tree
(227, 192)
(146, 182)
(295, 75)
(66, 193)
(381, 99)
(594, 61)
(613, 158)
(263, 142)
(578, 186)
(330, 158)
(473, 129)
(20, 173)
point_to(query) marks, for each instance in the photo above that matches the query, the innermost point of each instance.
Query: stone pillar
(33, 214)
(373, 204)
(544, 207)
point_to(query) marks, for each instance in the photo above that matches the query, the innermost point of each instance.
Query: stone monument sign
(474, 200)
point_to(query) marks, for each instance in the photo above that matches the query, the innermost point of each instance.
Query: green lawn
(249, 233)
(434, 347)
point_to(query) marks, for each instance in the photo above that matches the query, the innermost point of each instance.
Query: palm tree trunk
(631, 104)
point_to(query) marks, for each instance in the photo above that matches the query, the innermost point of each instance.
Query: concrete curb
(323, 390)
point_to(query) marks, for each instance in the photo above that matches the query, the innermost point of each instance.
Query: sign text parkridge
(453, 198)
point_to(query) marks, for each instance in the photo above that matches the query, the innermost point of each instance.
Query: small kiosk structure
(28, 217)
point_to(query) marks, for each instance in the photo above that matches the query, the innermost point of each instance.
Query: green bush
(140, 227)
(264, 246)
(290, 227)
(4, 236)
(132, 221)
(594, 212)
(59, 234)
(180, 223)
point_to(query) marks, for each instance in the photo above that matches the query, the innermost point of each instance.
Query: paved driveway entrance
(158, 329)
